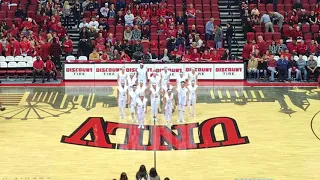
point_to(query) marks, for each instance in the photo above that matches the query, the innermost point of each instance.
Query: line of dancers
(135, 88)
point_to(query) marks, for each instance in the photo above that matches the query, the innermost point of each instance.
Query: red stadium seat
(306, 6)
(305, 28)
(191, 21)
(3, 14)
(276, 36)
(314, 28)
(280, 7)
(206, 2)
(288, 7)
(207, 15)
(215, 14)
(267, 36)
(259, 34)
(162, 37)
(258, 28)
(111, 29)
(153, 28)
(119, 28)
(206, 8)
(111, 21)
(276, 28)
(221, 51)
(154, 36)
(217, 21)
(119, 36)
(200, 22)
(10, 14)
(307, 36)
(250, 36)
(261, 7)
(103, 20)
(155, 51)
(210, 44)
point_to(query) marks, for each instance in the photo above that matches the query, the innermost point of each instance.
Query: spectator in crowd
(303, 18)
(273, 48)
(115, 55)
(77, 9)
(215, 56)
(94, 23)
(297, 6)
(67, 45)
(206, 56)
(292, 68)
(84, 24)
(312, 49)
(128, 18)
(312, 68)
(186, 57)
(123, 176)
(153, 174)
(255, 11)
(252, 67)
(191, 11)
(112, 12)
(176, 55)
(195, 56)
(66, 12)
(180, 20)
(247, 50)
(262, 46)
(165, 57)
(124, 57)
(218, 37)
(104, 10)
(302, 48)
(229, 35)
(105, 56)
(282, 66)
(120, 5)
(277, 17)
(136, 33)
(281, 47)
(55, 51)
(145, 33)
(127, 34)
(272, 65)
(142, 173)
(38, 69)
(262, 68)
(50, 69)
(301, 63)
(265, 19)
(120, 18)
(313, 18)
(138, 51)
(94, 56)
(209, 29)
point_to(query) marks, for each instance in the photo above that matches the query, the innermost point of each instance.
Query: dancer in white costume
(122, 95)
(193, 75)
(154, 78)
(142, 74)
(141, 108)
(122, 76)
(193, 91)
(155, 100)
(165, 76)
(168, 108)
(141, 87)
(181, 78)
(133, 96)
(166, 87)
(132, 80)
(181, 100)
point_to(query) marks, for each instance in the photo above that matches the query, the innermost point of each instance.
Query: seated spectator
(94, 23)
(67, 45)
(112, 12)
(255, 11)
(145, 33)
(292, 68)
(282, 66)
(127, 48)
(303, 18)
(94, 56)
(312, 48)
(25, 46)
(206, 56)
(145, 11)
(301, 65)
(292, 47)
(127, 34)
(255, 20)
(297, 6)
(294, 19)
(281, 47)
(137, 51)
(60, 30)
(171, 31)
(193, 31)
(100, 38)
(162, 25)
(171, 43)
(100, 47)
(165, 57)
(38, 69)
(176, 55)
(92, 33)
(202, 48)
(262, 45)
(120, 5)
(84, 24)
(191, 11)
(302, 48)
(124, 57)
(312, 68)
(115, 55)
(136, 33)
(186, 57)
(215, 56)
(104, 56)
(163, 12)
(198, 41)
(110, 39)
(138, 20)
(227, 56)
(145, 19)
(313, 18)
(195, 56)
(120, 18)
(272, 65)
(180, 20)
(104, 10)
(128, 18)
(273, 48)
(262, 67)
(50, 69)
(287, 54)
(253, 67)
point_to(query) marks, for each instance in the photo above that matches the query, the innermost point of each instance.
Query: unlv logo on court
(160, 137)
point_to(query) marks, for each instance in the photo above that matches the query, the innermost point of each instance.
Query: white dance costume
(168, 107)
(134, 95)
(142, 75)
(182, 102)
(122, 100)
(179, 80)
(165, 77)
(154, 79)
(155, 100)
(192, 98)
(122, 78)
(141, 110)
(131, 82)
(193, 77)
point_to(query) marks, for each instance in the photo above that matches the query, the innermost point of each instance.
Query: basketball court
(277, 135)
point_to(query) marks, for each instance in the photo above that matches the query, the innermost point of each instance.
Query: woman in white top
(165, 76)
(181, 78)
(193, 75)
(154, 78)
(122, 76)
(142, 74)
(122, 94)
(132, 80)
(133, 96)
(168, 106)
(141, 108)
(193, 89)
(181, 100)
(141, 87)
(155, 100)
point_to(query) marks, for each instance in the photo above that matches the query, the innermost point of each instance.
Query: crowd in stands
(146, 30)
(282, 39)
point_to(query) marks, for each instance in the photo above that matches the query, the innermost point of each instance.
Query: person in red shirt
(289, 33)
(44, 17)
(45, 49)
(246, 50)
(292, 47)
(286, 53)
(206, 56)
(105, 56)
(195, 56)
(191, 11)
(171, 31)
(145, 11)
(262, 45)
(1, 49)
(176, 55)
(60, 30)
(136, 10)
(186, 57)
(162, 12)
(100, 39)
(215, 56)
(14, 31)
(162, 25)
(52, 24)
(24, 45)
(312, 49)
(16, 47)
(302, 48)
(38, 69)
(297, 34)
(8, 49)
(100, 47)
(67, 45)
(50, 69)
(27, 24)
(124, 57)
